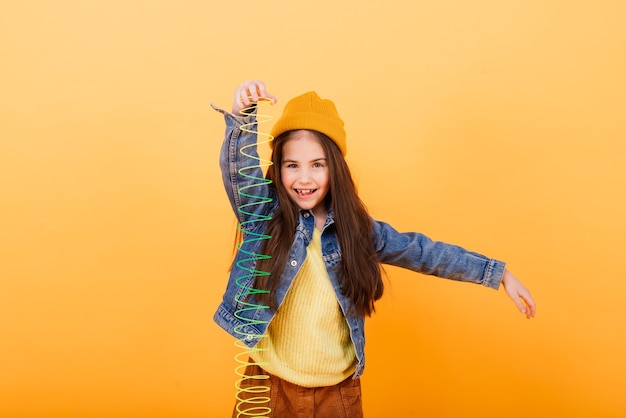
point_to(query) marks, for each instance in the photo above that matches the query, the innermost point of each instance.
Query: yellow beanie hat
(308, 111)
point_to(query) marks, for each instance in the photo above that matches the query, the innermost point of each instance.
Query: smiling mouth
(304, 192)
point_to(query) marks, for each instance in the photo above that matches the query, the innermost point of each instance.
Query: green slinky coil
(253, 400)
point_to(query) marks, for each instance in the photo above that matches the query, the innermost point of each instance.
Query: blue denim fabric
(409, 250)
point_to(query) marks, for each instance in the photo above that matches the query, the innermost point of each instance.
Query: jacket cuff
(493, 274)
(234, 120)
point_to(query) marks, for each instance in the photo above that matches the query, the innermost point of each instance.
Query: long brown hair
(359, 270)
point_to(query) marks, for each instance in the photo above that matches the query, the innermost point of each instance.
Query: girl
(305, 318)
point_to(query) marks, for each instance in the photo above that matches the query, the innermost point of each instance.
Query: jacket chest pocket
(332, 259)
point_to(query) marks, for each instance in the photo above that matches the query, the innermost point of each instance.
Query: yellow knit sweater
(308, 341)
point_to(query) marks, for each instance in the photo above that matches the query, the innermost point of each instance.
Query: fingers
(524, 302)
(250, 92)
(521, 306)
(530, 304)
(519, 294)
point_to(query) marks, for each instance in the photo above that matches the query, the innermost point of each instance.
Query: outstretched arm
(519, 294)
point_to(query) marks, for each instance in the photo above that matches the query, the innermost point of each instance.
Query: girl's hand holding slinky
(249, 92)
(519, 294)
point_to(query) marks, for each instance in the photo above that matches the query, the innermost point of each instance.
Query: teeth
(304, 191)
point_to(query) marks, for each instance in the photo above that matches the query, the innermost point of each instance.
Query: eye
(319, 165)
(291, 165)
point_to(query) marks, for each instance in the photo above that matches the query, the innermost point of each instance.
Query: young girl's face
(304, 172)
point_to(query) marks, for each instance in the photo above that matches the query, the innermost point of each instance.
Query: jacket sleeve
(417, 252)
(247, 189)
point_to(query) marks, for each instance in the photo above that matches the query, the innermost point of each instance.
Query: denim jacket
(253, 202)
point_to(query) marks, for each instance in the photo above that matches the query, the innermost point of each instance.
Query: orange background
(499, 126)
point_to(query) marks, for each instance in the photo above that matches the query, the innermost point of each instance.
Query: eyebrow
(286, 160)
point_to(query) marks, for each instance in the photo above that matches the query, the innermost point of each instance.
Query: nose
(305, 176)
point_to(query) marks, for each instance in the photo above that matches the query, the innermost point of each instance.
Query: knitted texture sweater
(308, 342)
